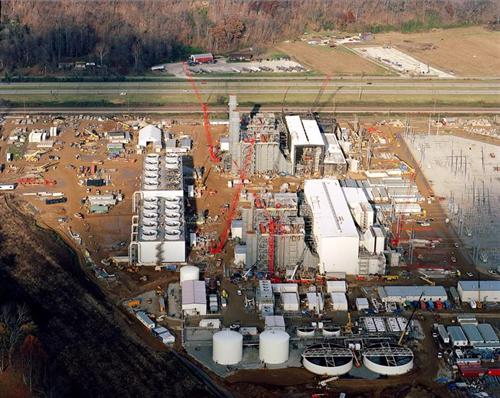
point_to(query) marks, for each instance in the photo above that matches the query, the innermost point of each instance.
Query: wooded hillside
(133, 35)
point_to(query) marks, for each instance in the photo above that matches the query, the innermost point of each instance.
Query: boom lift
(214, 156)
(217, 247)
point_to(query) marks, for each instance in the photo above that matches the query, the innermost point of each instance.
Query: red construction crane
(273, 229)
(217, 248)
(214, 156)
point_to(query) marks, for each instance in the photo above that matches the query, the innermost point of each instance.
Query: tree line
(129, 36)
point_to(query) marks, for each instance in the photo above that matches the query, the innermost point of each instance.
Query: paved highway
(190, 109)
(246, 83)
(253, 91)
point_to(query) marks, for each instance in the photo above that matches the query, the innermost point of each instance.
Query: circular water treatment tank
(190, 273)
(273, 346)
(327, 359)
(227, 347)
(305, 331)
(388, 359)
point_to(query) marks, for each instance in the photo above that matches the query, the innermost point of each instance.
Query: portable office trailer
(145, 320)
(457, 336)
(488, 333)
(443, 334)
(472, 334)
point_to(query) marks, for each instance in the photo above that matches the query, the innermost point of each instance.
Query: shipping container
(96, 183)
(470, 372)
(55, 201)
(493, 372)
(7, 187)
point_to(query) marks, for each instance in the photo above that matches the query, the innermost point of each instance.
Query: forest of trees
(129, 36)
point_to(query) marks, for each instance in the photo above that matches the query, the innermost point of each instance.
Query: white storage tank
(273, 346)
(190, 273)
(227, 347)
(388, 359)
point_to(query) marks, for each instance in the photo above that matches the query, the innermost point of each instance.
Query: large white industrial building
(485, 291)
(400, 294)
(158, 232)
(335, 234)
(343, 228)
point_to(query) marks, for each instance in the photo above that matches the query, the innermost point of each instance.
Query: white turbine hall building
(158, 234)
(343, 229)
(335, 234)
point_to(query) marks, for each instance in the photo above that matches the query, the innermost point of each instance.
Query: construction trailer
(473, 334)
(488, 333)
(457, 336)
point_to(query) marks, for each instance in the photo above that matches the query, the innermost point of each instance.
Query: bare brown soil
(473, 51)
(333, 61)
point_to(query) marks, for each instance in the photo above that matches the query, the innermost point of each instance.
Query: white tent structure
(150, 135)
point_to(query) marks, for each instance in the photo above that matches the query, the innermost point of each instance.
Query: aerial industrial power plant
(309, 213)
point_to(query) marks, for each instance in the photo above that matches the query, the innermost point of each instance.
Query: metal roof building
(486, 291)
(488, 333)
(194, 298)
(399, 294)
(472, 334)
(335, 234)
(457, 336)
(150, 135)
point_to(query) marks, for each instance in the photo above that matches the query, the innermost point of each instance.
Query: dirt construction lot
(334, 61)
(471, 51)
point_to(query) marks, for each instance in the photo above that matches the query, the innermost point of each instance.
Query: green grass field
(328, 100)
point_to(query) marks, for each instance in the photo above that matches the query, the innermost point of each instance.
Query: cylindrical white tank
(190, 273)
(227, 347)
(273, 346)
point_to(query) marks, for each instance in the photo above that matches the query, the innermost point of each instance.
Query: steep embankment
(91, 350)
